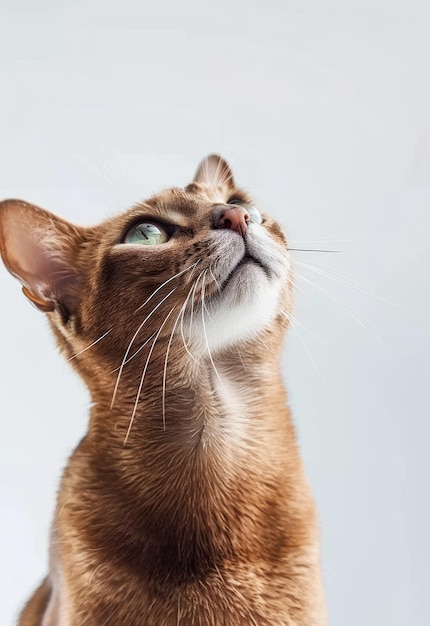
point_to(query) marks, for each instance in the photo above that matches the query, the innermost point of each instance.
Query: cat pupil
(148, 227)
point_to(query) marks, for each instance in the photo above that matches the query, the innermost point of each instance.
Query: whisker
(298, 288)
(181, 312)
(349, 285)
(293, 322)
(193, 289)
(354, 314)
(131, 343)
(241, 360)
(292, 318)
(204, 329)
(264, 344)
(91, 345)
(333, 270)
(335, 240)
(146, 301)
(145, 343)
(165, 371)
(214, 278)
(192, 301)
(144, 373)
(125, 192)
(166, 282)
(311, 250)
(126, 180)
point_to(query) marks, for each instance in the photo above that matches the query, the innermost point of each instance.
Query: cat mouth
(246, 260)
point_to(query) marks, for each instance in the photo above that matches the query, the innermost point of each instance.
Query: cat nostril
(235, 218)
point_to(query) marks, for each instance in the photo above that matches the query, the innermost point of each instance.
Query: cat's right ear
(39, 248)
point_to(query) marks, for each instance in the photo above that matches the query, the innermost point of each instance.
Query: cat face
(200, 264)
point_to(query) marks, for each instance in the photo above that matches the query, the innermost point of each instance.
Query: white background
(323, 110)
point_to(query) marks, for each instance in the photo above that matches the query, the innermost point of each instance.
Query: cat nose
(234, 218)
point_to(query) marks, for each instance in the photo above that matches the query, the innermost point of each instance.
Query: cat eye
(146, 234)
(254, 213)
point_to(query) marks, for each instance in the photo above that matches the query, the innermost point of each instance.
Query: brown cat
(186, 502)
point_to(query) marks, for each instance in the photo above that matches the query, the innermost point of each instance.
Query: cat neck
(204, 481)
(192, 402)
(213, 423)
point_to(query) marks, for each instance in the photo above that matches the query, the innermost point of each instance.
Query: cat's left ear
(39, 248)
(214, 171)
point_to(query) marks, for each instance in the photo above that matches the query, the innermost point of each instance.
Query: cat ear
(214, 171)
(38, 248)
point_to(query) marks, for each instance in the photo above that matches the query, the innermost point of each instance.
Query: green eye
(147, 234)
(254, 214)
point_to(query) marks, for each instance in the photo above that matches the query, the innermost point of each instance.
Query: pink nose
(235, 218)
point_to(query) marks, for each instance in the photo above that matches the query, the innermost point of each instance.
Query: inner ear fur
(214, 171)
(39, 249)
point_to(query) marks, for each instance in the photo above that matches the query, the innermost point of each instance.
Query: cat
(186, 502)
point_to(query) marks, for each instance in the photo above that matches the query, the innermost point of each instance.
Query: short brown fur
(178, 515)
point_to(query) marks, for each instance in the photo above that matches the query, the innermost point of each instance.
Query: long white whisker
(192, 290)
(302, 291)
(292, 321)
(144, 373)
(264, 344)
(335, 240)
(131, 343)
(290, 317)
(126, 180)
(125, 192)
(241, 360)
(354, 314)
(166, 282)
(91, 345)
(145, 343)
(329, 274)
(204, 329)
(214, 278)
(181, 312)
(192, 300)
(120, 183)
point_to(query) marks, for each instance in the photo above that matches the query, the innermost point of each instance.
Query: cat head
(199, 267)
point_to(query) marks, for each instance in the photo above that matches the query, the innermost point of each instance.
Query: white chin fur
(249, 299)
(244, 309)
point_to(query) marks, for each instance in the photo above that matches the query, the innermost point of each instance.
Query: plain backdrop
(323, 110)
